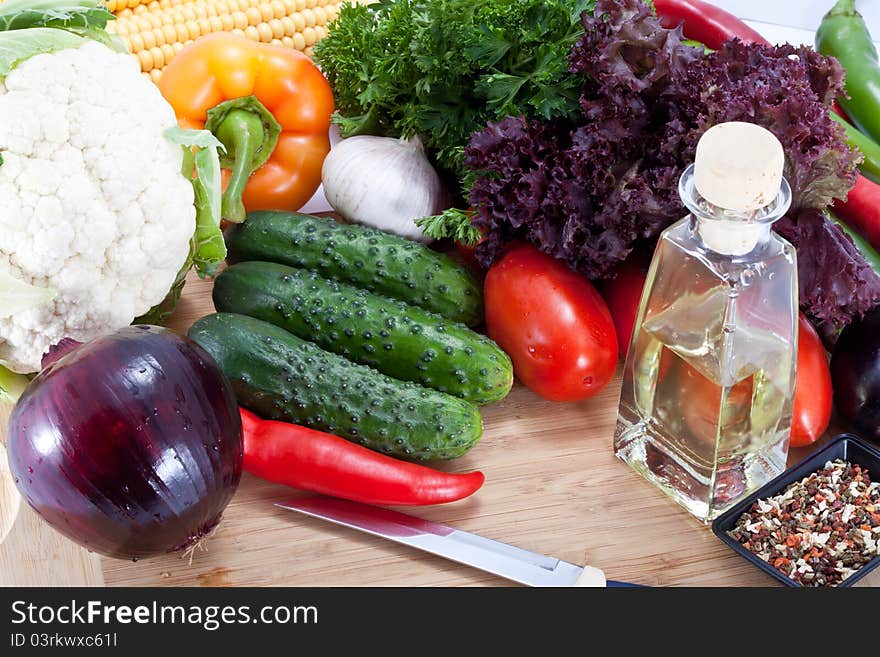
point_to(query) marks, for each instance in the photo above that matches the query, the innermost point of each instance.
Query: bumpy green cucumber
(360, 256)
(283, 377)
(391, 336)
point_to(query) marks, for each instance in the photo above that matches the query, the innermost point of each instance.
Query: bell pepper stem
(249, 133)
(843, 8)
(242, 134)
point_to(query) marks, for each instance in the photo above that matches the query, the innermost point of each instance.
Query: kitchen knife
(498, 558)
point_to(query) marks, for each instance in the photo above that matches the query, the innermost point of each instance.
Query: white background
(772, 17)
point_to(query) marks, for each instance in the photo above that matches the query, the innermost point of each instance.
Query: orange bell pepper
(269, 105)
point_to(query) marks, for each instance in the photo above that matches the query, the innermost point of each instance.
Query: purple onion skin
(129, 445)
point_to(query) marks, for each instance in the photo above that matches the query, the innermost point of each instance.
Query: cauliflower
(93, 205)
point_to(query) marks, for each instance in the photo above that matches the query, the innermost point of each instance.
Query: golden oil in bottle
(705, 409)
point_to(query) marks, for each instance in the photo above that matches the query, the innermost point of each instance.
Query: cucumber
(391, 336)
(283, 377)
(361, 256)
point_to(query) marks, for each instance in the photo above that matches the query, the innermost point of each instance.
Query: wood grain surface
(552, 485)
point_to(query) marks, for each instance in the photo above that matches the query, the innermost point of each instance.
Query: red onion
(130, 445)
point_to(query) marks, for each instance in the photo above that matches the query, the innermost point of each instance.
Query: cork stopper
(738, 166)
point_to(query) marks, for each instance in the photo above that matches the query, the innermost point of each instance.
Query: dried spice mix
(819, 530)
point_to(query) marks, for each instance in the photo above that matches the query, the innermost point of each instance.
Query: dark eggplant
(855, 375)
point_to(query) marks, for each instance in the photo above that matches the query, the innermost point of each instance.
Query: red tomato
(623, 293)
(812, 394)
(701, 401)
(553, 324)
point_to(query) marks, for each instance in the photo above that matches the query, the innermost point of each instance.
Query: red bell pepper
(323, 463)
(861, 211)
(704, 22)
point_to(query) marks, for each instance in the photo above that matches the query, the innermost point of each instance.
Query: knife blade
(508, 561)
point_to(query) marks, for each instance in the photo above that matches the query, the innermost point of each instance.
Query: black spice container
(845, 447)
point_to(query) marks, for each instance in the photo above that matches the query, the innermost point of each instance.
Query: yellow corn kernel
(146, 60)
(253, 16)
(240, 20)
(170, 33)
(137, 43)
(266, 33)
(158, 57)
(119, 26)
(156, 30)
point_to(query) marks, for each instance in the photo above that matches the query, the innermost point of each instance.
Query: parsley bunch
(442, 69)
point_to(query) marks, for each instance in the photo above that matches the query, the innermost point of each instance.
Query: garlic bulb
(383, 182)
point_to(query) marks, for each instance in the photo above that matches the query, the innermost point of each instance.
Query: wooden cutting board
(552, 485)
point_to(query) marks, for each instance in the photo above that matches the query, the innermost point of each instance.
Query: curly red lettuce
(591, 190)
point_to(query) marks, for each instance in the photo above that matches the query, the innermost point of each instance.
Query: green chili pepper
(843, 34)
(870, 149)
(868, 252)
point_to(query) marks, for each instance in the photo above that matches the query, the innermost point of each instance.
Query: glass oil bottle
(705, 409)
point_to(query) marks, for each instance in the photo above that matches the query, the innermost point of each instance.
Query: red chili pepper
(861, 211)
(705, 22)
(323, 463)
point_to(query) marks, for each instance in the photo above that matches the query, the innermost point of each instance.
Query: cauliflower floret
(92, 201)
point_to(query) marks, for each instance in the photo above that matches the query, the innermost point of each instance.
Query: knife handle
(593, 577)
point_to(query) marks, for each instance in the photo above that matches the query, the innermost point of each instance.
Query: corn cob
(156, 30)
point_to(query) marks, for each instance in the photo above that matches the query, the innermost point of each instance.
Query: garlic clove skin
(383, 182)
